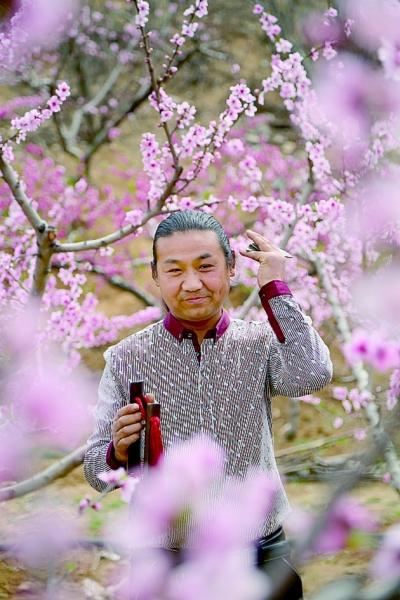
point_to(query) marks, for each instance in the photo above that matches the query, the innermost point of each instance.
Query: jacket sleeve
(111, 398)
(299, 362)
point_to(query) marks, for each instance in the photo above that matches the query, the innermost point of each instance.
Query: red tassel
(141, 408)
(155, 442)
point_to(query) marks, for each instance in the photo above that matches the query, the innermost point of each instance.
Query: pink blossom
(348, 95)
(216, 529)
(128, 487)
(189, 29)
(16, 451)
(201, 8)
(258, 9)
(338, 422)
(114, 133)
(346, 515)
(386, 562)
(377, 295)
(44, 537)
(50, 404)
(177, 40)
(134, 217)
(331, 13)
(358, 348)
(112, 477)
(393, 395)
(339, 393)
(374, 21)
(143, 13)
(283, 45)
(81, 185)
(63, 91)
(84, 504)
(360, 434)
(310, 399)
(328, 51)
(234, 577)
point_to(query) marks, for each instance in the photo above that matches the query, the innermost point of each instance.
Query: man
(210, 373)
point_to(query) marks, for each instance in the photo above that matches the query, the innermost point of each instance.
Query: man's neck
(200, 328)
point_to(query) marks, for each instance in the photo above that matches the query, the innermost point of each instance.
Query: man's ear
(232, 266)
(154, 272)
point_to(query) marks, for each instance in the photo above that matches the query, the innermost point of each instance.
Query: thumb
(150, 398)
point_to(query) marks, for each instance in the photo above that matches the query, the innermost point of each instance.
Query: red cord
(155, 442)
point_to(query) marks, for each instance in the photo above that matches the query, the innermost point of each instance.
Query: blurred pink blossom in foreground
(345, 515)
(386, 562)
(352, 96)
(217, 517)
(43, 403)
(377, 298)
(382, 354)
(373, 210)
(34, 24)
(374, 21)
(42, 539)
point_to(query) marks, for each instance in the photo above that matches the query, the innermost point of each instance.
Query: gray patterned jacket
(227, 395)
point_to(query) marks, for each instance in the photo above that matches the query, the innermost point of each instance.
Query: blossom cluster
(189, 27)
(143, 13)
(33, 119)
(382, 354)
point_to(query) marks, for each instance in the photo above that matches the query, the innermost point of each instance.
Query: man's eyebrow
(175, 261)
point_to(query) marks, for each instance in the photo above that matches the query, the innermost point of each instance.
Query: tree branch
(18, 191)
(361, 376)
(56, 470)
(106, 239)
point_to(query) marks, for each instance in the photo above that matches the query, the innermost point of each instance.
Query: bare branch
(18, 191)
(56, 470)
(107, 239)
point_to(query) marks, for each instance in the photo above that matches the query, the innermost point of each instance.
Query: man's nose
(192, 282)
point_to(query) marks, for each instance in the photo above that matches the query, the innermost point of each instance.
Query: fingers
(121, 446)
(128, 409)
(127, 426)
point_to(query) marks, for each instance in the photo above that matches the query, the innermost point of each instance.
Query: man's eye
(174, 271)
(206, 266)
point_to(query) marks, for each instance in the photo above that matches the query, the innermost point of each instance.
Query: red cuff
(268, 291)
(112, 462)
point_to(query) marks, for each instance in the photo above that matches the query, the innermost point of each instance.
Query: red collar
(176, 328)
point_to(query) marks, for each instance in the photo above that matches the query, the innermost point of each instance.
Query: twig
(120, 283)
(308, 446)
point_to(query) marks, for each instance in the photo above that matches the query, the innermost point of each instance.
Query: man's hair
(193, 220)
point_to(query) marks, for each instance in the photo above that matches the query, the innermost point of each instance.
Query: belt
(274, 545)
(269, 547)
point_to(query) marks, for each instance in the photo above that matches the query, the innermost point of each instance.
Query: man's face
(192, 275)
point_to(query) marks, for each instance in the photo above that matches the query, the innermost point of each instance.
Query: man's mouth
(196, 299)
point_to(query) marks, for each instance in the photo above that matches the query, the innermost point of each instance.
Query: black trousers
(273, 558)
